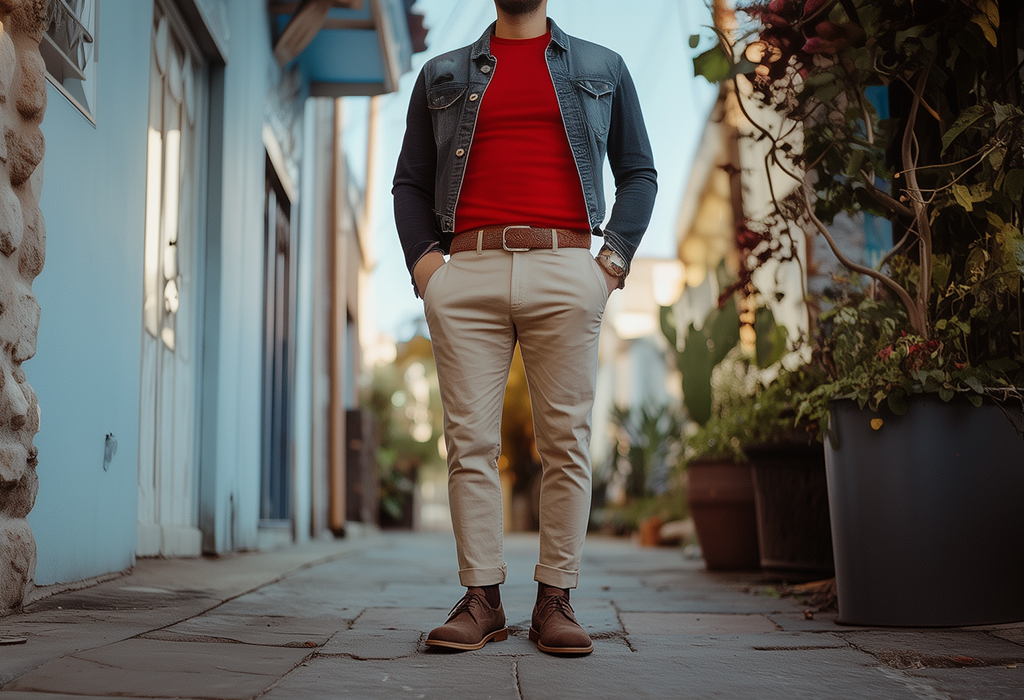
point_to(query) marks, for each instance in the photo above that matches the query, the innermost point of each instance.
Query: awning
(347, 47)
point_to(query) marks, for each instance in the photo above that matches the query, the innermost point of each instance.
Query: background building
(198, 344)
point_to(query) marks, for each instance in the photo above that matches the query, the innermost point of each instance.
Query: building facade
(198, 338)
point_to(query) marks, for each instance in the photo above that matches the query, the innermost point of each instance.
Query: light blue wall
(86, 369)
(232, 412)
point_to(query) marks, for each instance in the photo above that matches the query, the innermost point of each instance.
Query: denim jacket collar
(482, 46)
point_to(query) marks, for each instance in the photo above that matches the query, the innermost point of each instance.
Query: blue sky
(651, 35)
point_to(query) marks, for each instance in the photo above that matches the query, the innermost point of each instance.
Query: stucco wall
(230, 492)
(86, 370)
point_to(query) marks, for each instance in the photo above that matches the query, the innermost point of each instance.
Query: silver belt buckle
(504, 245)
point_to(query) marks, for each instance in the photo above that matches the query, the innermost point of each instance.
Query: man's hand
(611, 280)
(425, 269)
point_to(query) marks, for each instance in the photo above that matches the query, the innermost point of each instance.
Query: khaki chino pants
(478, 305)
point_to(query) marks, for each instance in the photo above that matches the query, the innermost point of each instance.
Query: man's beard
(518, 7)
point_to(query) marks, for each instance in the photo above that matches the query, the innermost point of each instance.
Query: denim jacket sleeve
(632, 163)
(413, 188)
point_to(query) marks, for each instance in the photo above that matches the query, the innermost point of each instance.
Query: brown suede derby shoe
(471, 624)
(554, 626)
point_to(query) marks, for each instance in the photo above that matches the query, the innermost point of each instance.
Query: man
(502, 168)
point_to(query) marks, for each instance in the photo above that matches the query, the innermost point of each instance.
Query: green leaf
(963, 197)
(723, 330)
(941, 266)
(694, 40)
(1004, 111)
(829, 92)
(974, 383)
(966, 119)
(897, 403)
(1011, 249)
(946, 394)
(668, 326)
(770, 338)
(975, 399)
(713, 64)
(1013, 184)
(1003, 364)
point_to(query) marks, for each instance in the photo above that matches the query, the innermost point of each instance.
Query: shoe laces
(556, 603)
(466, 605)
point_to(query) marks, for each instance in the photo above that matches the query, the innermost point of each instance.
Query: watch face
(611, 265)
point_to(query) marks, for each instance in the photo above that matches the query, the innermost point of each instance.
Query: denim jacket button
(474, 97)
(485, 69)
(461, 152)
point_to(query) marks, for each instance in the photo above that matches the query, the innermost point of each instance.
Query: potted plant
(720, 490)
(926, 362)
(646, 448)
(787, 462)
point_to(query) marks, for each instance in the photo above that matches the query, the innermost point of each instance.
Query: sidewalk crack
(516, 682)
(624, 632)
(355, 619)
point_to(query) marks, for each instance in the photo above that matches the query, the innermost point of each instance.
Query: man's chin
(518, 7)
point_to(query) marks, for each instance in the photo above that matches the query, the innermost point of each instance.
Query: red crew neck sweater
(521, 169)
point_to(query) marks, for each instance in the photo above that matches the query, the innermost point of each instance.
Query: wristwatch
(612, 262)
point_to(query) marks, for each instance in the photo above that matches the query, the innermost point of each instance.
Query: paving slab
(728, 644)
(933, 648)
(56, 633)
(373, 645)
(993, 683)
(671, 668)
(662, 628)
(648, 623)
(1012, 634)
(266, 630)
(160, 669)
(28, 695)
(453, 677)
(291, 601)
(418, 619)
(796, 620)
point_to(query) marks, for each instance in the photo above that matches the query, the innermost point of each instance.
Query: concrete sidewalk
(348, 619)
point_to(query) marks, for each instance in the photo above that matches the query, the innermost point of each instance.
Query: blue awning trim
(354, 57)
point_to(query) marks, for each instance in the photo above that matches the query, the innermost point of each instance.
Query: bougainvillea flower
(812, 5)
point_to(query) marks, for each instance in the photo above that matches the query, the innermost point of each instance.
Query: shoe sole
(496, 636)
(563, 651)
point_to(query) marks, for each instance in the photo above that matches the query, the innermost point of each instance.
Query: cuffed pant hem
(482, 577)
(556, 577)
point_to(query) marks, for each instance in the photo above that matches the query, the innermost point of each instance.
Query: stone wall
(22, 240)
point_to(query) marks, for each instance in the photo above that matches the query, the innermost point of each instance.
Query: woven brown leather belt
(519, 238)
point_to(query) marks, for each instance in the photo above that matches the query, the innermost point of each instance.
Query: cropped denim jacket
(601, 114)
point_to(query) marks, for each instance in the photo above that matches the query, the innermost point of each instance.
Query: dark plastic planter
(720, 496)
(927, 515)
(791, 495)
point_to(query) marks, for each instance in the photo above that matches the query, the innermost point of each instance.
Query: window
(177, 84)
(69, 49)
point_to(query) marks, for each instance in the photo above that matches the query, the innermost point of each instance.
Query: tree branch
(924, 231)
(913, 310)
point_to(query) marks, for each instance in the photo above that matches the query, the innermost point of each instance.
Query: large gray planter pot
(927, 514)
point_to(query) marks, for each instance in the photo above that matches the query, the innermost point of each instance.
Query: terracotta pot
(721, 500)
(650, 530)
(791, 494)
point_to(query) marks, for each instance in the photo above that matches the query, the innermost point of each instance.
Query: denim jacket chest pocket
(595, 95)
(444, 100)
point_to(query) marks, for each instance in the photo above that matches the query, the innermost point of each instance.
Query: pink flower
(818, 45)
(885, 353)
(812, 5)
(829, 30)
